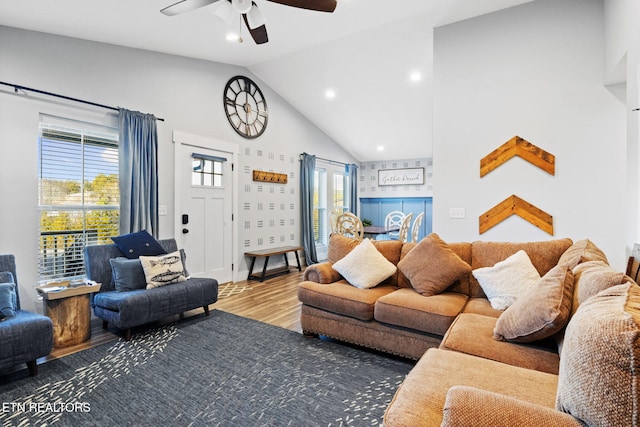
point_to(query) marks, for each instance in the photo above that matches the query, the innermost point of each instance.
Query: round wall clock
(246, 107)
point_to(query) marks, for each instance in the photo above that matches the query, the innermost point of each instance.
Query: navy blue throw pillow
(140, 243)
(128, 274)
(8, 300)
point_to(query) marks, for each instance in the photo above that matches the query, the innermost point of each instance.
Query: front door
(204, 204)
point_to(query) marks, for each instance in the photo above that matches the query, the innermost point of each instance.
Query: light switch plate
(456, 213)
(162, 210)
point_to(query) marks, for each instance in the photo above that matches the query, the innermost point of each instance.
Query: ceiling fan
(249, 10)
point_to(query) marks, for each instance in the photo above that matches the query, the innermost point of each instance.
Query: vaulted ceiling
(375, 56)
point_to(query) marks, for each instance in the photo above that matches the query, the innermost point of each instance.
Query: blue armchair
(25, 337)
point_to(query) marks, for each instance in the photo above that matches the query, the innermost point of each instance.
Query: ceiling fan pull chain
(240, 30)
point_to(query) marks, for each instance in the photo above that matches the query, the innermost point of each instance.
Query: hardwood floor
(273, 301)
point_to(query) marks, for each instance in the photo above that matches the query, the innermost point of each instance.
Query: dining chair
(404, 228)
(415, 230)
(392, 220)
(333, 218)
(350, 225)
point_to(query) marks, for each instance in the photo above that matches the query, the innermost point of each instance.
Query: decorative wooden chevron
(514, 205)
(517, 146)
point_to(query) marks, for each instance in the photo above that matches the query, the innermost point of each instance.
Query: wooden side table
(70, 311)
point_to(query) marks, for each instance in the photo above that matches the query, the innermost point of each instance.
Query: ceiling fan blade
(185, 6)
(254, 17)
(319, 5)
(259, 34)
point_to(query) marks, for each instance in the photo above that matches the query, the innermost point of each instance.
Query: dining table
(374, 230)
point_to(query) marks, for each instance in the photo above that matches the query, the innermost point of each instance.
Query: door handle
(185, 230)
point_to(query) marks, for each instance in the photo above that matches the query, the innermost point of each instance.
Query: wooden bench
(266, 253)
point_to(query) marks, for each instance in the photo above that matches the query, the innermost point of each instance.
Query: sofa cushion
(163, 269)
(8, 302)
(433, 314)
(420, 399)
(342, 298)
(481, 306)
(507, 280)
(474, 407)
(364, 267)
(541, 311)
(133, 245)
(544, 255)
(473, 334)
(582, 251)
(431, 266)
(598, 379)
(127, 274)
(592, 277)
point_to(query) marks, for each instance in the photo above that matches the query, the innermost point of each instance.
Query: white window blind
(78, 193)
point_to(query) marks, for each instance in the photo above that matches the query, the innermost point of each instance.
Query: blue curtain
(307, 169)
(352, 171)
(138, 157)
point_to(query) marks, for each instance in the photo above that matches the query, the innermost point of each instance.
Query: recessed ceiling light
(232, 37)
(330, 93)
(380, 148)
(415, 76)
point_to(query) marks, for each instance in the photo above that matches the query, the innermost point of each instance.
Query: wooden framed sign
(408, 176)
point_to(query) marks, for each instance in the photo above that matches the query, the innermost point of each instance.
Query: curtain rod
(332, 161)
(19, 87)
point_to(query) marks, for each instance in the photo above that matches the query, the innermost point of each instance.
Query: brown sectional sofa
(465, 376)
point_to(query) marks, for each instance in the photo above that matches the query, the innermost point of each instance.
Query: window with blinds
(78, 194)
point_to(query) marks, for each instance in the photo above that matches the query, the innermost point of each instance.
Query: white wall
(187, 93)
(622, 38)
(535, 71)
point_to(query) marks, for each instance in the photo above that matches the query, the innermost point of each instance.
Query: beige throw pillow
(431, 266)
(163, 270)
(507, 280)
(600, 363)
(364, 267)
(541, 311)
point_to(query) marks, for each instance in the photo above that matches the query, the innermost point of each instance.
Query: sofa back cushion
(582, 251)
(544, 256)
(600, 362)
(340, 246)
(592, 277)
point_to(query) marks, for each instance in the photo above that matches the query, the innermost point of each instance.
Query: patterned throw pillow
(507, 280)
(163, 270)
(364, 267)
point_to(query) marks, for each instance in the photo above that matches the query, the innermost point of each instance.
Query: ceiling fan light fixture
(224, 11)
(242, 6)
(254, 17)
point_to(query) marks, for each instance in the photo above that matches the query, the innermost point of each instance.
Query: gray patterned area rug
(221, 370)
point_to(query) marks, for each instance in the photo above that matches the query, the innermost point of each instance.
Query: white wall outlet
(456, 213)
(162, 210)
